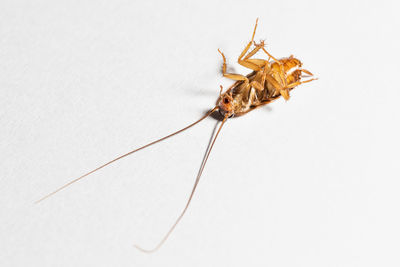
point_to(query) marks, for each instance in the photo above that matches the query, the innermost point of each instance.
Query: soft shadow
(268, 108)
(216, 116)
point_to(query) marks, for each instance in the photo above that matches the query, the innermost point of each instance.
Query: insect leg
(307, 72)
(282, 73)
(256, 85)
(265, 72)
(249, 44)
(255, 64)
(236, 77)
(279, 88)
(257, 61)
(298, 83)
(262, 63)
(266, 52)
(243, 60)
(255, 50)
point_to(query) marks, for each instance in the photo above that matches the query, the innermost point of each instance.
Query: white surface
(311, 182)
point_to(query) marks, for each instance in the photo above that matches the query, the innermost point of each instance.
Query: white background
(311, 182)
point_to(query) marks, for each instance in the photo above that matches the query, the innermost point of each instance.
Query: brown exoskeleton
(268, 81)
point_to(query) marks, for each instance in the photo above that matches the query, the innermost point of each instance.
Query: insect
(270, 79)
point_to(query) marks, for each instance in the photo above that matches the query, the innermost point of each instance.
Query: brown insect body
(240, 98)
(268, 81)
(270, 78)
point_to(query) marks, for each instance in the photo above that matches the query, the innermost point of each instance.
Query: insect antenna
(127, 154)
(190, 196)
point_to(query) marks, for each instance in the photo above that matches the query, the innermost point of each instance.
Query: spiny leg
(285, 91)
(307, 72)
(279, 88)
(298, 83)
(236, 77)
(262, 63)
(243, 61)
(283, 76)
(265, 72)
(271, 56)
(255, 64)
(250, 65)
(282, 73)
(255, 50)
(256, 85)
(249, 44)
(274, 82)
(258, 61)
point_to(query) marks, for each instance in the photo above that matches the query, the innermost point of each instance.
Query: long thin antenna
(190, 197)
(127, 154)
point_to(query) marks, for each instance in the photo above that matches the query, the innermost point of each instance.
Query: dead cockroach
(270, 78)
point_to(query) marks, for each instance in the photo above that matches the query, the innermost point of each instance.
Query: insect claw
(261, 44)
